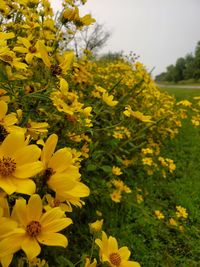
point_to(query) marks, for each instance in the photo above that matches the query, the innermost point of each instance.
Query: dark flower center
(115, 258)
(7, 166)
(33, 228)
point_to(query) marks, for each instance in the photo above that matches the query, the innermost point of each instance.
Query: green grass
(156, 243)
(182, 93)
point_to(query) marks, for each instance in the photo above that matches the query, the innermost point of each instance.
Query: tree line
(185, 68)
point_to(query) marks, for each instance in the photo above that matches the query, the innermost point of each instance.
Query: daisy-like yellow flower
(159, 214)
(116, 196)
(61, 174)
(116, 170)
(181, 212)
(114, 256)
(36, 129)
(6, 121)
(34, 228)
(56, 202)
(18, 162)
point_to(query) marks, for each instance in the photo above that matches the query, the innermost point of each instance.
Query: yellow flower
(34, 227)
(61, 174)
(89, 264)
(184, 103)
(18, 162)
(116, 196)
(139, 198)
(36, 129)
(173, 222)
(147, 161)
(96, 226)
(181, 212)
(108, 99)
(114, 256)
(116, 170)
(136, 114)
(9, 57)
(6, 121)
(159, 214)
(56, 202)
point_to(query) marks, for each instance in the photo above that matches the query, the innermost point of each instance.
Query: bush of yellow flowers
(73, 134)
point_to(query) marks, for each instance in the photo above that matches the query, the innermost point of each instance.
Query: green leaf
(91, 167)
(106, 168)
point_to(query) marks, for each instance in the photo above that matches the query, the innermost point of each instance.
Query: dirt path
(179, 86)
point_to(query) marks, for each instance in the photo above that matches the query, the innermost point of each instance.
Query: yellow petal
(124, 253)
(68, 57)
(29, 57)
(12, 143)
(20, 49)
(43, 53)
(10, 119)
(19, 212)
(53, 239)
(56, 225)
(34, 208)
(26, 42)
(112, 244)
(49, 148)
(3, 109)
(80, 190)
(7, 185)
(11, 244)
(5, 261)
(28, 170)
(51, 215)
(27, 154)
(129, 264)
(62, 182)
(99, 243)
(24, 186)
(7, 225)
(60, 160)
(31, 247)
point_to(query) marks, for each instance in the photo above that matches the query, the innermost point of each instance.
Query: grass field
(157, 242)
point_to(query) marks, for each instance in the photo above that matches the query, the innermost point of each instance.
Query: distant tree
(184, 69)
(189, 67)
(92, 38)
(161, 77)
(179, 69)
(197, 62)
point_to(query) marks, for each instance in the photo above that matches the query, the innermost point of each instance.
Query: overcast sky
(160, 31)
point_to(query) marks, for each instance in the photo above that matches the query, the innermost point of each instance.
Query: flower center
(7, 58)
(47, 174)
(115, 258)
(57, 202)
(56, 70)
(32, 49)
(33, 228)
(7, 166)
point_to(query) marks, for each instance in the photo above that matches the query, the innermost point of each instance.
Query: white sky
(160, 31)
